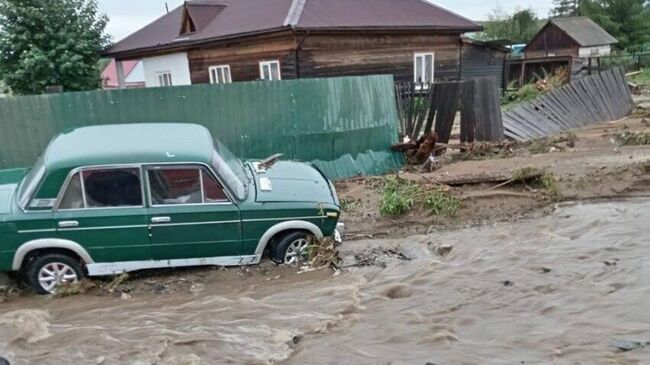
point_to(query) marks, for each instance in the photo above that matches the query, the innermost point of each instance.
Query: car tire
(44, 273)
(290, 247)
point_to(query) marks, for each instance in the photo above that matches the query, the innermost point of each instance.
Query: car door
(103, 210)
(190, 215)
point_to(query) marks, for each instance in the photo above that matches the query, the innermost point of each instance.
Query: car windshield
(231, 169)
(30, 182)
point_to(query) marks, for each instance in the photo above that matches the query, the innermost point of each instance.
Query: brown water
(556, 290)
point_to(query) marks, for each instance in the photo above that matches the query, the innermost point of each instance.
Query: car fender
(29, 246)
(286, 226)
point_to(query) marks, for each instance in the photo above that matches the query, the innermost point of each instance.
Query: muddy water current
(562, 289)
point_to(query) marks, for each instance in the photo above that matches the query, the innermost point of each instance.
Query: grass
(525, 173)
(632, 138)
(441, 202)
(350, 205)
(550, 184)
(400, 196)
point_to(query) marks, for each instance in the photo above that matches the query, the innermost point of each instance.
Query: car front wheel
(45, 273)
(292, 248)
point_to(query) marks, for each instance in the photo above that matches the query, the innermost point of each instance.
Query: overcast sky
(127, 16)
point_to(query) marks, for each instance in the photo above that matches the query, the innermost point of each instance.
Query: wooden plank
(608, 101)
(431, 101)
(542, 122)
(514, 128)
(530, 121)
(491, 116)
(447, 97)
(540, 105)
(557, 98)
(563, 119)
(468, 115)
(614, 90)
(521, 125)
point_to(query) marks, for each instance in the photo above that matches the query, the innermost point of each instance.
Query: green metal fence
(345, 125)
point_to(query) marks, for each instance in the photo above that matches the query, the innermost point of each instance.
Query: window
(423, 68)
(270, 70)
(103, 188)
(183, 185)
(165, 79)
(220, 74)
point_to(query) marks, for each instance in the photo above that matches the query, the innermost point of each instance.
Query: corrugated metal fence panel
(337, 121)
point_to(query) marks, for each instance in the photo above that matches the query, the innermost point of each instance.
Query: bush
(400, 196)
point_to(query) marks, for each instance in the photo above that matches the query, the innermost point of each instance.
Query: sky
(127, 16)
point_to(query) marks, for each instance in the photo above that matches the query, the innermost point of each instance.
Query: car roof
(117, 144)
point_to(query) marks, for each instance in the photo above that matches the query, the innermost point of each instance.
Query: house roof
(584, 31)
(109, 74)
(223, 19)
(482, 44)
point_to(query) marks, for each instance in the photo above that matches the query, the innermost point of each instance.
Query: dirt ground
(595, 167)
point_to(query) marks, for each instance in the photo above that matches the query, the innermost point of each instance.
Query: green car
(109, 199)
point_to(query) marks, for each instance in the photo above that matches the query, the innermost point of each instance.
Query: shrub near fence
(345, 125)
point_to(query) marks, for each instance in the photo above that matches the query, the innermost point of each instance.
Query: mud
(567, 288)
(594, 168)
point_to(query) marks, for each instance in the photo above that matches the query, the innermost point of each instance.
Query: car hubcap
(297, 250)
(53, 274)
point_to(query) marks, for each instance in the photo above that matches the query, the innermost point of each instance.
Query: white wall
(175, 63)
(585, 52)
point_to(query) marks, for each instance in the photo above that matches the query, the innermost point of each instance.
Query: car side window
(103, 188)
(171, 185)
(212, 190)
(73, 196)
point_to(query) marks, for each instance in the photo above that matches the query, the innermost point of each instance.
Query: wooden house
(572, 36)
(213, 41)
(570, 43)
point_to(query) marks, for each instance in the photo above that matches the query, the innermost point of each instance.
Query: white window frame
(223, 70)
(268, 64)
(165, 79)
(423, 55)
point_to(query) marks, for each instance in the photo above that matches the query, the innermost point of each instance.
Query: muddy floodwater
(563, 289)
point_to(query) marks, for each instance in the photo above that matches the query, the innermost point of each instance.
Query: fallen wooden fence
(592, 99)
(426, 107)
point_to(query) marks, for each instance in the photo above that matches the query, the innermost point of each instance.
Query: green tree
(563, 8)
(51, 42)
(518, 27)
(626, 20)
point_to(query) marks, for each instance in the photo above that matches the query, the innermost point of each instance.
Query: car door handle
(68, 224)
(161, 219)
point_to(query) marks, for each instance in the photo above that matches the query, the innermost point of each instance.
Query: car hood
(9, 180)
(292, 182)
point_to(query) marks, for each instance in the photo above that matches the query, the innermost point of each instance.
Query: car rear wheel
(45, 273)
(292, 248)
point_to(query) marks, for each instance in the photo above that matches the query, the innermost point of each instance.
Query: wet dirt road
(556, 290)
